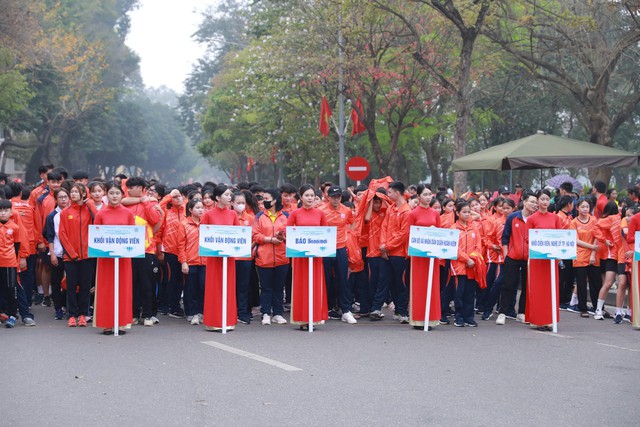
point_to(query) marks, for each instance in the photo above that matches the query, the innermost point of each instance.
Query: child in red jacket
(464, 267)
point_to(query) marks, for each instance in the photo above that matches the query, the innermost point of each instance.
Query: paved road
(365, 374)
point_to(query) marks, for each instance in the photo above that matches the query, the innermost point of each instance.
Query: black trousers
(515, 272)
(142, 272)
(592, 274)
(79, 275)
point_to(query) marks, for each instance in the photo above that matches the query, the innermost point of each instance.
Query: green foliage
(14, 90)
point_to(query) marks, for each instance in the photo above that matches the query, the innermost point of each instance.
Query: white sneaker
(599, 315)
(404, 319)
(195, 320)
(266, 319)
(501, 320)
(279, 320)
(348, 318)
(148, 322)
(520, 318)
(155, 320)
(189, 318)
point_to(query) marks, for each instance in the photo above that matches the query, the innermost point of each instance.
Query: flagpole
(341, 126)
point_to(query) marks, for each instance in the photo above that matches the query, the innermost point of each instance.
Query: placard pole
(427, 309)
(116, 296)
(554, 313)
(310, 295)
(224, 295)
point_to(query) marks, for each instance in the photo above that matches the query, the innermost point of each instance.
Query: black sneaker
(458, 324)
(618, 319)
(244, 320)
(334, 315)
(471, 323)
(487, 315)
(444, 321)
(178, 314)
(46, 302)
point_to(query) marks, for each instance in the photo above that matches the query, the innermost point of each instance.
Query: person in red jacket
(244, 266)
(463, 267)
(393, 246)
(146, 214)
(78, 267)
(515, 248)
(169, 235)
(269, 234)
(336, 269)
(192, 264)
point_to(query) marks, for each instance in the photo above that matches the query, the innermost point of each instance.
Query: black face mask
(267, 204)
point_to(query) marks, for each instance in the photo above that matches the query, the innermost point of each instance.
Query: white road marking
(618, 347)
(253, 356)
(551, 334)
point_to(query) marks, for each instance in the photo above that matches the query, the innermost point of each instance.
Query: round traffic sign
(358, 168)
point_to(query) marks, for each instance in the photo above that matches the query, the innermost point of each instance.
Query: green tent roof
(540, 151)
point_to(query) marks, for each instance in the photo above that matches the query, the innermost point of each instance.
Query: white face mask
(239, 207)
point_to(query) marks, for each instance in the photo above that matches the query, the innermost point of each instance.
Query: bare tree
(587, 49)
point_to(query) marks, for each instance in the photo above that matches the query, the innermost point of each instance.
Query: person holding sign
(424, 216)
(221, 214)
(307, 215)
(269, 234)
(538, 309)
(113, 214)
(78, 267)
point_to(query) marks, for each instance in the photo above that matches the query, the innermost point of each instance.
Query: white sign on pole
(552, 244)
(432, 242)
(116, 241)
(225, 241)
(311, 242)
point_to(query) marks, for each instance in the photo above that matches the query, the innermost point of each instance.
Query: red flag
(325, 113)
(250, 163)
(358, 126)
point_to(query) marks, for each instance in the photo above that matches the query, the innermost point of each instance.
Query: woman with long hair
(269, 234)
(424, 216)
(307, 215)
(538, 307)
(607, 231)
(221, 214)
(113, 214)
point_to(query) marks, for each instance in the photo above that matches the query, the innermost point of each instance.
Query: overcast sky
(161, 35)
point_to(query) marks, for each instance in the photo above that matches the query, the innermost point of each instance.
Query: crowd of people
(44, 253)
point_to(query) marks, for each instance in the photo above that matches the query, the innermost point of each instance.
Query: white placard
(311, 242)
(225, 241)
(552, 244)
(432, 242)
(116, 241)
